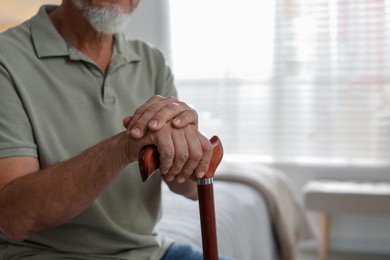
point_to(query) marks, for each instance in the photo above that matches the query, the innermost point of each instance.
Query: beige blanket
(289, 221)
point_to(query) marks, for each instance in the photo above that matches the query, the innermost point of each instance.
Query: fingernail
(153, 123)
(136, 131)
(177, 121)
(181, 180)
(170, 178)
(200, 174)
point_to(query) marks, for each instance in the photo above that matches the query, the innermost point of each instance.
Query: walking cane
(149, 163)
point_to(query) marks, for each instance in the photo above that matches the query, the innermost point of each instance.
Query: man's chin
(107, 28)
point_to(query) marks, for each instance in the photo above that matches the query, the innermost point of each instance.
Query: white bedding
(258, 215)
(289, 222)
(243, 223)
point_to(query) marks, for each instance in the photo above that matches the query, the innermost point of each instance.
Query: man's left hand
(156, 112)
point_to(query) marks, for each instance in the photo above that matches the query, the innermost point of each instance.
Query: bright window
(304, 81)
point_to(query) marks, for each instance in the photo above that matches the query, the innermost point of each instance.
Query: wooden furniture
(329, 197)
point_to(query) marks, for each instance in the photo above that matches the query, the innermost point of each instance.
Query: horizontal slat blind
(303, 81)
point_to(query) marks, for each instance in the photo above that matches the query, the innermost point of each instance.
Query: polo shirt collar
(46, 39)
(124, 48)
(49, 43)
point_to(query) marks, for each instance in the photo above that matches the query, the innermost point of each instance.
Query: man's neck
(76, 30)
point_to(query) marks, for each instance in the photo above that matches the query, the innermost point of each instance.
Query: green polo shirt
(55, 103)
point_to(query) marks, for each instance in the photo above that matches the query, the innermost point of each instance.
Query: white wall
(149, 22)
(349, 232)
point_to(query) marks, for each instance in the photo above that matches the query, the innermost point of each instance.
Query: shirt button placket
(108, 96)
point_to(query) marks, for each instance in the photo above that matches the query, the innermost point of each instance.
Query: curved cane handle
(149, 159)
(216, 157)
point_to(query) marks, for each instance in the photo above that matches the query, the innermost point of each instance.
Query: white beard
(108, 20)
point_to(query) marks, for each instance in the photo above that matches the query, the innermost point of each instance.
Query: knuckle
(168, 155)
(203, 168)
(173, 106)
(187, 172)
(153, 108)
(208, 149)
(169, 177)
(174, 171)
(203, 164)
(194, 113)
(172, 99)
(197, 156)
(155, 98)
(141, 122)
(140, 110)
(190, 115)
(206, 144)
(183, 157)
(164, 169)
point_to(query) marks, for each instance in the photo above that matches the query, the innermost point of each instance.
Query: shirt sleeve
(16, 135)
(164, 80)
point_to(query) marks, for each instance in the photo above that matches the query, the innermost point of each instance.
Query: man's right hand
(184, 152)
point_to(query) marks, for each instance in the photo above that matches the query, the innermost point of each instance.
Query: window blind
(301, 81)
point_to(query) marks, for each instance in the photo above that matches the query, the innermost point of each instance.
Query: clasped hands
(172, 126)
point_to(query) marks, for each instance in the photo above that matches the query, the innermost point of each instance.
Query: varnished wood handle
(149, 159)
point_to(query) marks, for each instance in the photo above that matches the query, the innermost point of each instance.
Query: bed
(257, 214)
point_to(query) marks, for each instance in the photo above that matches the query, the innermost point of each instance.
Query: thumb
(126, 121)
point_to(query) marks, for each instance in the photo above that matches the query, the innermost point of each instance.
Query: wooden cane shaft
(149, 162)
(207, 221)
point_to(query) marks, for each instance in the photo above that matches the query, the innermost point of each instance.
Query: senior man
(68, 186)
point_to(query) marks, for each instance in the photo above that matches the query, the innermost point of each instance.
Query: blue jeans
(185, 252)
